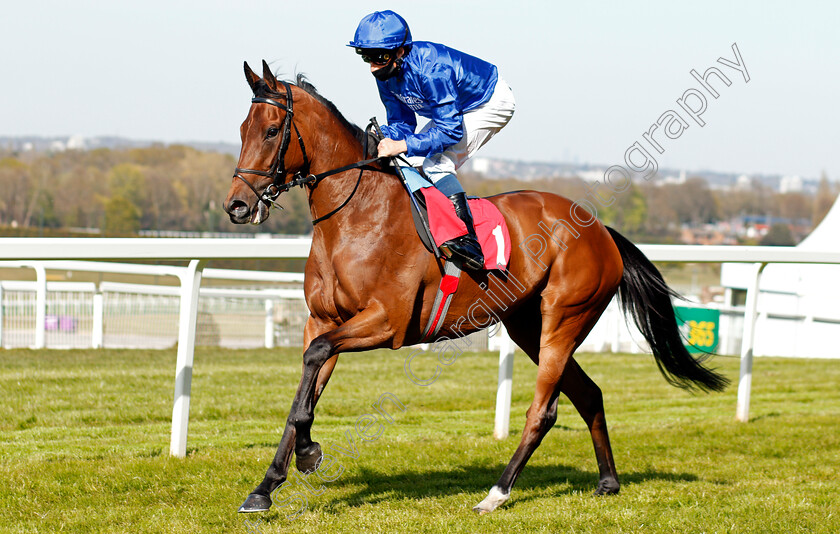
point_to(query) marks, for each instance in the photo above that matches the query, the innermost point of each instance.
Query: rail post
(190, 285)
(98, 328)
(269, 323)
(505, 386)
(742, 412)
(40, 307)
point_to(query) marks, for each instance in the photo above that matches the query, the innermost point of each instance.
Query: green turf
(84, 437)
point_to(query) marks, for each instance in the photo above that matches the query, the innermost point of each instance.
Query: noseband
(277, 171)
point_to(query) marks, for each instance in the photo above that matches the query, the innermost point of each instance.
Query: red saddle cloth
(490, 226)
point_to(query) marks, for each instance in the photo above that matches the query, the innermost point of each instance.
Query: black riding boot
(466, 247)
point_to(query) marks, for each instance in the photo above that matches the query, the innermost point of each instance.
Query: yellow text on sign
(701, 333)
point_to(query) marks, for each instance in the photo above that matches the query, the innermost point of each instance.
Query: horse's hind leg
(539, 419)
(552, 349)
(585, 395)
(587, 399)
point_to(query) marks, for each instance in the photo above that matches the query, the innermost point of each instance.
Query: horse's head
(265, 167)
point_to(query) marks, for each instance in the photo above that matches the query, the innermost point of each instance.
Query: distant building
(708, 234)
(591, 176)
(743, 182)
(76, 142)
(791, 184)
(671, 179)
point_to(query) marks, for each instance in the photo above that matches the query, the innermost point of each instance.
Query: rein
(277, 171)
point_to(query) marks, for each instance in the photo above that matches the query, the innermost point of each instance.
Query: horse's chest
(330, 300)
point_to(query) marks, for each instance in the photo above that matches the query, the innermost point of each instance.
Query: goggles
(376, 56)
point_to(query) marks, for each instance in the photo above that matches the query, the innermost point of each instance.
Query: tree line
(653, 212)
(176, 187)
(121, 192)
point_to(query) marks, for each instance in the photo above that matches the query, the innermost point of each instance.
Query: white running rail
(24, 251)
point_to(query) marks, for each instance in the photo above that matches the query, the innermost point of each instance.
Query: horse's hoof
(493, 500)
(308, 460)
(255, 503)
(607, 486)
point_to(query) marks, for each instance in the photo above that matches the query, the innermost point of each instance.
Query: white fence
(121, 315)
(131, 315)
(128, 315)
(199, 251)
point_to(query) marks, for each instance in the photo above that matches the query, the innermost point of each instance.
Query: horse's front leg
(301, 416)
(259, 500)
(367, 329)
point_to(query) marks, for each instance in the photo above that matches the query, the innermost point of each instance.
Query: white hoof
(493, 500)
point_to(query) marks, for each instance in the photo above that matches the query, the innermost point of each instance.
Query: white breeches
(480, 125)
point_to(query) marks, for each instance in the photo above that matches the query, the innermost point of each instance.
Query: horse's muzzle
(240, 212)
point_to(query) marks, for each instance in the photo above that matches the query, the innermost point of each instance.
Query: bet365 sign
(699, 328)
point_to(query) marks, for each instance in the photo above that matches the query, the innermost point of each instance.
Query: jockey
(466, 100)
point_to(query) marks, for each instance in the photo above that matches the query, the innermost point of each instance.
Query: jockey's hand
(389, 147)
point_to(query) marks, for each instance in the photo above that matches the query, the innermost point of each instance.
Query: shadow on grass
(765, 416)
(376, 487)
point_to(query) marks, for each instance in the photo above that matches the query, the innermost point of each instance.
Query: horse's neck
(376, 202)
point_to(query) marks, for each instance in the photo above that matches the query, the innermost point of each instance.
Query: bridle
(277, 171)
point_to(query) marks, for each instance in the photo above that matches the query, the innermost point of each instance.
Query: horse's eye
(272, 132)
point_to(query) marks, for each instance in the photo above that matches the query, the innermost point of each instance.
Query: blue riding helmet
(383, 30)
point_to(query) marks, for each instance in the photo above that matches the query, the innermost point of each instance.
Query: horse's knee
(318, 352)
(550, 416)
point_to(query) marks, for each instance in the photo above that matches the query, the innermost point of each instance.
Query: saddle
(436, 222)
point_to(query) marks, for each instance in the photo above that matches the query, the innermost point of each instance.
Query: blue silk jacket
(441, 84)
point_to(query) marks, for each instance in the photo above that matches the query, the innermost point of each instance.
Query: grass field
(84, 437)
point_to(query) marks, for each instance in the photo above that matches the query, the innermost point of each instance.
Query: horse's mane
(263, 90)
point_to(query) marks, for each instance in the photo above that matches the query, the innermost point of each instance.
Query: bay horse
(370, 283)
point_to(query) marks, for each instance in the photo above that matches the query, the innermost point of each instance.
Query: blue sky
(589, 78)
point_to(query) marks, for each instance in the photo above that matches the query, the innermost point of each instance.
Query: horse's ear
(268, 76)
(251, 77)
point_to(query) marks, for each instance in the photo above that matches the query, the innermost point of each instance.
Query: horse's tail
(644, 294)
